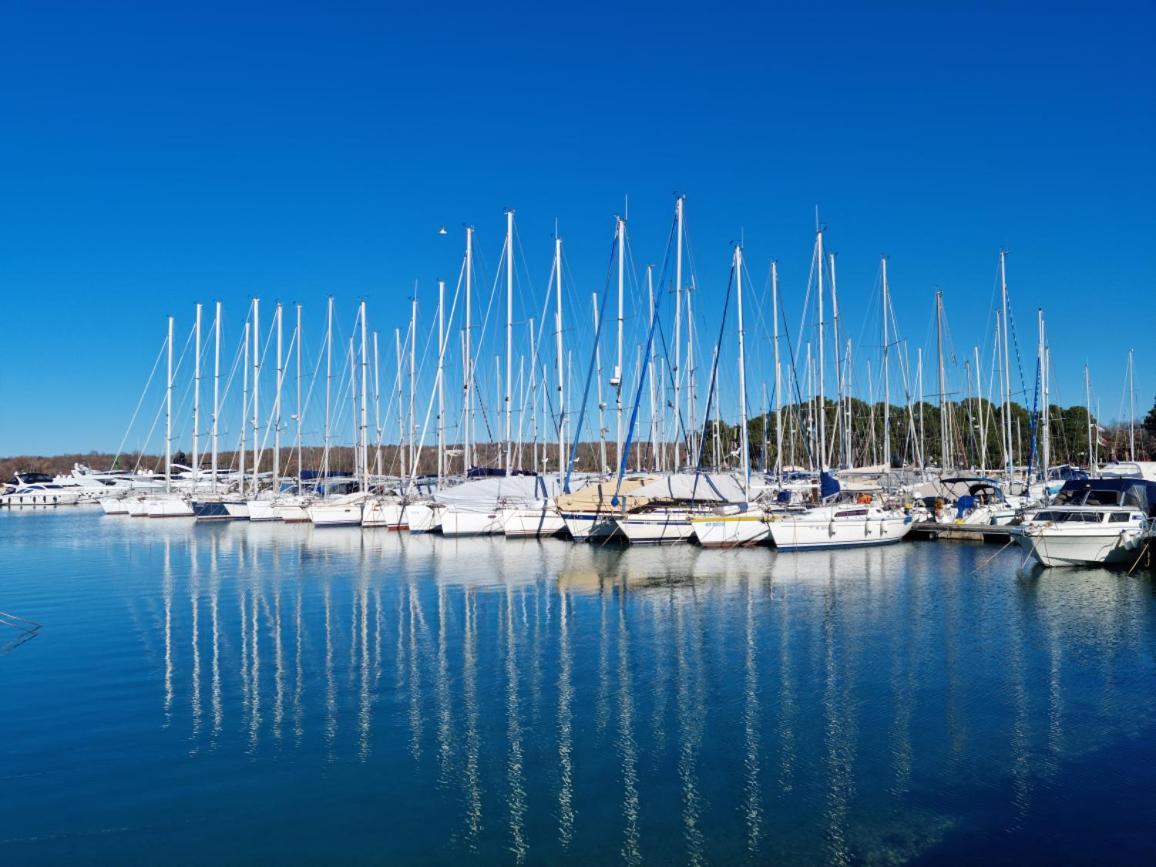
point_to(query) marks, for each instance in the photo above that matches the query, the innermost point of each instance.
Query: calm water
(243, 693)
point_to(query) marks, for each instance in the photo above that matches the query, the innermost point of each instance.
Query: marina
(538, 701)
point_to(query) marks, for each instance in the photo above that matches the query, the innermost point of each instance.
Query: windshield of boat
(1065, 516)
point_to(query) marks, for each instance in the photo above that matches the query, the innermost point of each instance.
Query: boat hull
(535, 522)
(803, 534)
(467, 522)
(731, 531)
(656, 527)
(1065, 547)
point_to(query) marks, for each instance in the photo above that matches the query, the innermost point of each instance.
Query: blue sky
(154, 157)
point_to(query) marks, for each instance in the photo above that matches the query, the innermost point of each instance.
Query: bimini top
(1137, 493)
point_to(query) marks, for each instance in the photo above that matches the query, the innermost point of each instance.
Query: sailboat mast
(1088, 409)
(1007, 419)
(944, 458)
(1045, 444)
(778, 373)
(601, 404)
(197, 399)
(277, 406)
(979, 404)
(328, 382)
(468, 360)
(886, 371)
(822, 460)
(559, 360)
(244, 409)
(1131, 410)
(678, 203)
(216, 385)
(364, 415)
(922, 407)
(300, 408)
(617, 380)
(441, 380)
(256, 391)
(399, 389)
(377, 404)
(743, 433)
(654, 459)
(412, 382)
(509, 338)
(169, 414)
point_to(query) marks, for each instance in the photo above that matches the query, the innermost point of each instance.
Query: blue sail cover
(828, 485)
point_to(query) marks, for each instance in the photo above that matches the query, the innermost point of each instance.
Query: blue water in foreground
(278, 694)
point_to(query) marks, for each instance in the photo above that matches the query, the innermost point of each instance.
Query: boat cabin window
(851, 513)
(1122, 517)
(1061, 517)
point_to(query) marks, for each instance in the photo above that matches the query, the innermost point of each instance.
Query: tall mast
(509, 338)
(300, 408)
(412, 380)
(650, 377)
(1088, 405)
(377, 404)
(244, 410)
(743, 433)
(468, 372)
(216, 385)
(886, 371)
(944, 458)
(277, 407)
(922, 407)
(598, 376)
(364, 416)
(256, 390)
(169, 414)
(400, 390)
(441, 380)
(695, 445)
(1131, 410)
(197, 400)
(1045, 422)
(1007, 419)
(559, 361)
(778, 373)
(678, 205)
(822, 462)
(617, 380)
(328, 382)
(979, 404)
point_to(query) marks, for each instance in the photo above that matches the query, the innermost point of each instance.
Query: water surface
(281, 694)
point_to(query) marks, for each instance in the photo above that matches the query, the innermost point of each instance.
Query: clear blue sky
(154, 155)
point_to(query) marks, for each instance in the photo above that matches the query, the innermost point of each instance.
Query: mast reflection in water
(256, 692)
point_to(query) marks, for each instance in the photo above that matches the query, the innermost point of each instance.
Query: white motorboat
(1091, 522)
(40, 494)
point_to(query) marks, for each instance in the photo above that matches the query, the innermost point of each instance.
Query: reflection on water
(548, 701)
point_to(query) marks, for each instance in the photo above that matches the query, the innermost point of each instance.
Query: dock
(932, 531)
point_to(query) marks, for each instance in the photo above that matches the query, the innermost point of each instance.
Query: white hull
(1079, 546)
(51, 497)
(168, 507)
(589, 526)
(335, 514)
(425, 517)
(291, 513)
(466, 522)
(731, 531)
(533, 522)
(392, 514)
(824, 531)
(115, 505)
(261, 510)
(237, 510)
(657, 527)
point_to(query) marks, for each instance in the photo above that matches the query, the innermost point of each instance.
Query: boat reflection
(722, 701)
